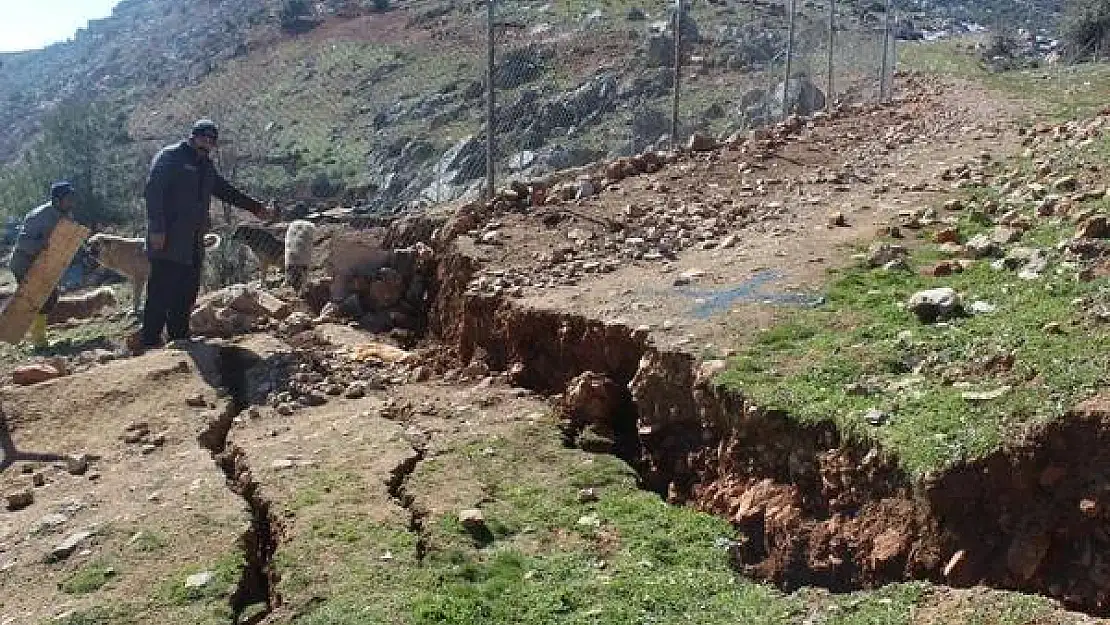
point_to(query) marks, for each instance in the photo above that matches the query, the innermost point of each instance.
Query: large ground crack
(399, 492)
(811, 506)
(259, 543)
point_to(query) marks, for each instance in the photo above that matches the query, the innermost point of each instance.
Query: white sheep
(299, 240)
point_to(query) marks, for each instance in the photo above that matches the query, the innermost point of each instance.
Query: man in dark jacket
(179, 190)
(33, 236)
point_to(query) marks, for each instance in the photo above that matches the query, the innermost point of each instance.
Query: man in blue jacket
(179, 190)
(33, 236)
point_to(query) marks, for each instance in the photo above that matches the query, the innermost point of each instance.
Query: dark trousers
(171, 292)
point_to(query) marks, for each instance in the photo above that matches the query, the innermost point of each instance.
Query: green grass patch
(338, 487)
(89, 578)
(226, 572)
(863, 350)
(890, 605)
(1059, 91)
(99, 615)
(148, 541)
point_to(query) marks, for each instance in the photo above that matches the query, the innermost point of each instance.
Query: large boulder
(935, 305)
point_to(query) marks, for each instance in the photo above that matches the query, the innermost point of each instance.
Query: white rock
(935, 304)
(200, 580)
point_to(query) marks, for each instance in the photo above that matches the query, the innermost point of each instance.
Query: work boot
(38, 332)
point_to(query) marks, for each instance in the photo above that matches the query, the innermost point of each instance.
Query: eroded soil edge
(811, 507)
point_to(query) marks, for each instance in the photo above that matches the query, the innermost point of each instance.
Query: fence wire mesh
(576, 82)
(393, 109)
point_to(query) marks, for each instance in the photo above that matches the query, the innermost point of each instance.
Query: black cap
(60, 189)
(207, 128)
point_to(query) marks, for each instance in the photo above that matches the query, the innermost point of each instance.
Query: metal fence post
(789, 61)
(677, 72)
(829, 94)
(490, 88)
(893, 49)
(883, 87)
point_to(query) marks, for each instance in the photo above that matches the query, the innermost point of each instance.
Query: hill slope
(387, 108)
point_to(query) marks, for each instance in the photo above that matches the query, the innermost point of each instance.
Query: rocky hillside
(380, 105)
(144, 46)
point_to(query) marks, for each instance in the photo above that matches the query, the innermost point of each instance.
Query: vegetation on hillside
(1086, 28)
(87, 144)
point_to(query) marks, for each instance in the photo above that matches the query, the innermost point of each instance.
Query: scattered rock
(934, 305)
(700, 142)
(875, 417)
(295, 323)
(1066, 184)
(981, 246)
(882, 253)
(472, 519)
(50, 522)
(1093, 228)
(948, 235)
(1004, 235)
(355, 390)
(421, 374)
(837, 220)
(77, 464)
(19, 499)
(66, 548)
(196, 401)
(591, 398)
(898, 264)
(980, 307)
(34, 374)
(587, 495)
(315, 398)
(942, 269)
(589, 520)
(493, 237)
(985, 395)
(200, 580)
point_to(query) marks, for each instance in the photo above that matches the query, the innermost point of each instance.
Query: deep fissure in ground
(259, 543)
(811, 507)
(398, 491)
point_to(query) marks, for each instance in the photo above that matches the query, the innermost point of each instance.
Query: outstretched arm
(237, 198)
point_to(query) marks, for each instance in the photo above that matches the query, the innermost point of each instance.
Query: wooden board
(20, 309)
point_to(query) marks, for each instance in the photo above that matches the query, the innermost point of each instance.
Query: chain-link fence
(575, 83)
(392, 110)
